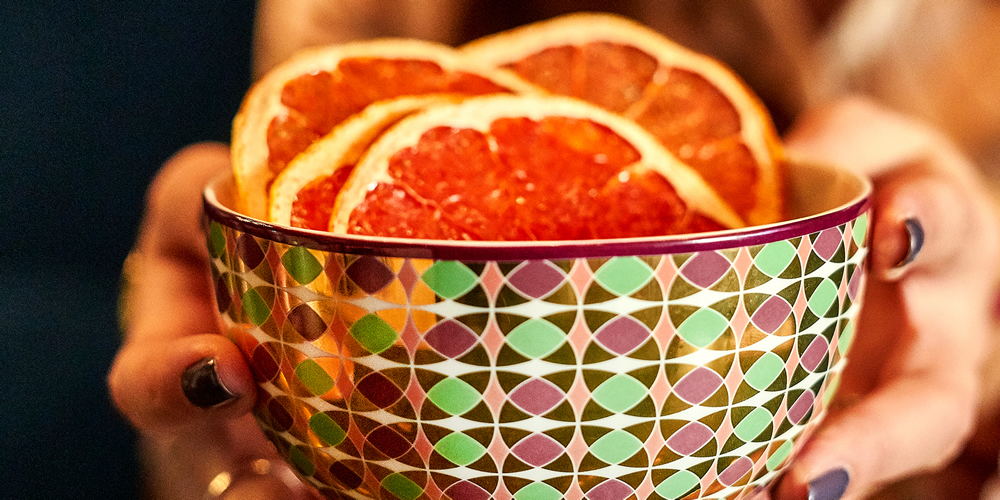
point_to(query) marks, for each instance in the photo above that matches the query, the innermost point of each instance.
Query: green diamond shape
(255, 307)
(775, 257)
(298, 457)
(450, 279)
(402, 487)
(753, 424)
(623, 275)
(860, 229)
(460, 449)
(678, 484)
(314, 377)
(538, 491)
(301, 264)
(703, 327)
(620, 393)
(536, 338)
(216, 240)
(327, 429)
(779, 455)
(616, 446)
(846, 339)
(454, 396)
(823, 297)
(764, 371)
(373, 333)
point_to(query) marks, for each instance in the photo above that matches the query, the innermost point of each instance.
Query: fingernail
(915, 234)
(201, 385)
(829, 486)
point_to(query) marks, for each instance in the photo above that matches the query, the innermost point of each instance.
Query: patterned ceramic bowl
(671, 367)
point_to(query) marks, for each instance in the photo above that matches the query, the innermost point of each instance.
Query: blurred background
(96, 95)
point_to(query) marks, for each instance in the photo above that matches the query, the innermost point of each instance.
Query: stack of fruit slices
(584, 126)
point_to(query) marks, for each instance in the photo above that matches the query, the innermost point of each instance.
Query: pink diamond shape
(801, 407)
(771, 314)
(537, 396)
(467, 490)
(827, 243)
(690, 438)
(735, 471)
(612, 489)
(814, 353)
(536, 279)
(622, 335)
(698, 385)
(450, 338)
(537, 450)
(705, 268)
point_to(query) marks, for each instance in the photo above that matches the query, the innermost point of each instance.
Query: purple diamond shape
(467, 490)
(698, 385)
(690, 438)
(450, 338)
(537, 450)
(705, 268)
(622, 334)
(801, 407)
(370, 274)
(249, 251)
(771, 314)
(857, 280)
(536, 279)
(735, 471)
(307, 322)
(537, 396)
(222, 297)
(827, 243)
(814, 353)
(612, 489)
(378, 389)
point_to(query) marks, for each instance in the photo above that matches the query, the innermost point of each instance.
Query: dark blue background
(96, 95)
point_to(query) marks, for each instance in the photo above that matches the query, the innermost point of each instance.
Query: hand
(171, 324)
(908, 399)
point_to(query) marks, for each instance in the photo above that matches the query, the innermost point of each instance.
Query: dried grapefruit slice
(305, 97)
(519, 168)
(699, 109)
(303, 194)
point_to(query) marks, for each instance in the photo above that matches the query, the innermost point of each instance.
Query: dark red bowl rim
(517, 250)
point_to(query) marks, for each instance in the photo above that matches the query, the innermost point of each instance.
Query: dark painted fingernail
(201, 385)
(829, 486)
(915, 232)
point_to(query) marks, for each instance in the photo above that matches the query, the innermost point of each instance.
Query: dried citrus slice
(519, 168)
(699, 109)
(302, 195)
(304, 98)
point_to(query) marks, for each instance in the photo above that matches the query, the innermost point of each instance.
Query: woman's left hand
(910, 392)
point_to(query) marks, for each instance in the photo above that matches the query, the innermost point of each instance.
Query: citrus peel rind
(516, 47)
(341, 148)
(264, 102)
(480, 114)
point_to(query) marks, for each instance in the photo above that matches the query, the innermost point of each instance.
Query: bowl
(670, 367)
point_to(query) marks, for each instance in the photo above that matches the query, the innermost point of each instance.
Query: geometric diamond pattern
(665, 376)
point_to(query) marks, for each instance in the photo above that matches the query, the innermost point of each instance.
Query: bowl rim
(484, 251)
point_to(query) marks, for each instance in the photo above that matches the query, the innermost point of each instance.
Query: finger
(908, 427)
(147, 382)
(858, 134)
(171, 321)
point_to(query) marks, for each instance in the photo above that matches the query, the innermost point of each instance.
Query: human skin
(908, 402)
